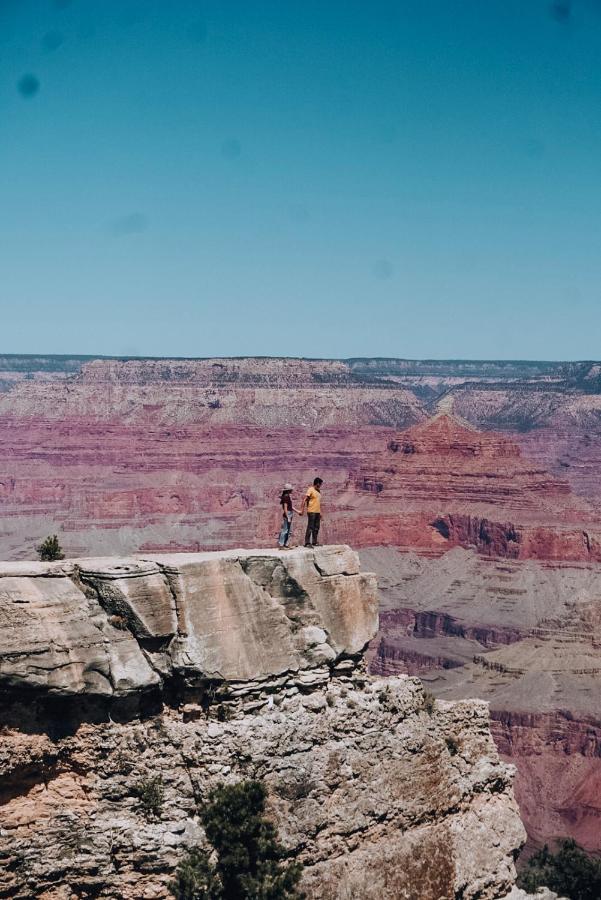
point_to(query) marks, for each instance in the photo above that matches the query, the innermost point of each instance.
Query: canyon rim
(470, 489)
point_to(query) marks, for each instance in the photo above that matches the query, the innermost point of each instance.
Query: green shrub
(50, 549)
(150, 792)
(250, 862)
(196, 878)
(384, 696)
(570, 872)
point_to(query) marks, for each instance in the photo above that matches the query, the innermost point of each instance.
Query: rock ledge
(197, 669)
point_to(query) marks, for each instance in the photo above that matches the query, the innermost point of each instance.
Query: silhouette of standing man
(312, 502)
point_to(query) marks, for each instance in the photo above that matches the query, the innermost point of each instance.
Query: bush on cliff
(50, 549)
(150, 793)
(249, 858)
(570, 872)
(196, 878)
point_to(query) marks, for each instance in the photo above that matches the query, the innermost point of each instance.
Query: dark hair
(283, 497)
(317, 481)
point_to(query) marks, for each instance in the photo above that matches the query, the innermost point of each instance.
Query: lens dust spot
(561, 10)
(134, 223)
(535, 149)
(388, 134)
(299, 213)
(382, 269)
(28, 86)
(231, 148)
(52, 41)
(131, 17)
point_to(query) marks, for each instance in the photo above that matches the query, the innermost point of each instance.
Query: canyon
(470, 488)
(191, 670)
(526, 637)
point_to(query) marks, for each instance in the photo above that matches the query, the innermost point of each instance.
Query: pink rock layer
(115, 486)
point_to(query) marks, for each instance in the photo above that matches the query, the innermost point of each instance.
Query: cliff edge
(195, 669)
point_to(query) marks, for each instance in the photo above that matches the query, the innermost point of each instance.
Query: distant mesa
(445, 422)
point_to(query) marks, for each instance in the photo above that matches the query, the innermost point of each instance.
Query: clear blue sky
(418, 178)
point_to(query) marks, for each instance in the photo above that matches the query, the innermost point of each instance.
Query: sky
(418, 178)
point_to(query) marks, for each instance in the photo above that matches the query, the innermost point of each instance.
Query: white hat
(288, 487)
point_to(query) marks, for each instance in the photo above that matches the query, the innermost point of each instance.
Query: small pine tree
(250, 860)
(50, 549)
(196, 878)
(151, 793)
(569, 872)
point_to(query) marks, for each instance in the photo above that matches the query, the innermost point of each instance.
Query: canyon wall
(524, 635)
(199, 669)
(122, 456)
(146, 457)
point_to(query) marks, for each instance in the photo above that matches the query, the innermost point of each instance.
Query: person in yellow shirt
(312, 502)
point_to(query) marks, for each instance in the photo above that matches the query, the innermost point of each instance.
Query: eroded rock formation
(145, 456)
(201, 668)
(123, 456)
(525, 636)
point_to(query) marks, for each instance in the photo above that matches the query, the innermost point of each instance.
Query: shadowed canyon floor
(148, 456)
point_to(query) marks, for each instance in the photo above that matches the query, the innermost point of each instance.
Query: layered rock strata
(431, 487)
(123, 456)
(202, 668)
(524, 636)
(443, 483)
(145, 456)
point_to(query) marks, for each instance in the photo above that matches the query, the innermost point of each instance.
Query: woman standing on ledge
(287, 512)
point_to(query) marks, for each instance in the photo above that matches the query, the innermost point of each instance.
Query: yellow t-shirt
(313, 500)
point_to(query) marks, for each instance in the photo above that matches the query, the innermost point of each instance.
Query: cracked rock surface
(113, 627)
(196, 669)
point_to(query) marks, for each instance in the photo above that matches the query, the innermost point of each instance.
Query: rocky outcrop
(453, 485)
(203, 668)
(114, 627)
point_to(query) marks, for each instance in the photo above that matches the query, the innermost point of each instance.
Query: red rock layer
(129, 486)
(455, 486)
(558, 782)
